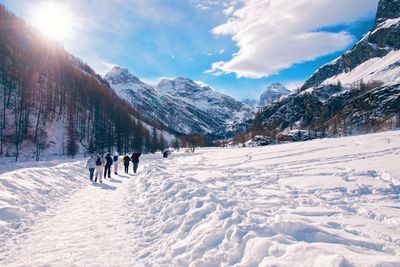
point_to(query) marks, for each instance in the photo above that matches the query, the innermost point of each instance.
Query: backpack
(98, 162)
(109, 160)
(115, 158)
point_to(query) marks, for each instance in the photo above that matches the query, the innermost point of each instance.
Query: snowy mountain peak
(277, 88)
(119, 75)
(273, 92)
(180, 85)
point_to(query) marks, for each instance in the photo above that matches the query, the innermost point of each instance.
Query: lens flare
(54, 19)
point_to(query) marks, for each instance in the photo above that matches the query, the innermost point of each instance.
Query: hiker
(99, 169)
(135, 160)
(91, 165)
(166, 153)
(116, 162)
(107, 167)
(126, 161)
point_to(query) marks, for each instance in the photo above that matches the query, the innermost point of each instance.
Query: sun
(54, 19)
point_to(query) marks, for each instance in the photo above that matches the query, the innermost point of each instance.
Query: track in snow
(88, 229)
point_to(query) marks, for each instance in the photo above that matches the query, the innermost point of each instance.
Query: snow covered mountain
(271, 93)
(181, 104)
(374, 57)
(274, 91)
(356, 93)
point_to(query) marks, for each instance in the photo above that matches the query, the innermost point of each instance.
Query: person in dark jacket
(166, 153)
(135, 160)
(107, 167)
(126, 161)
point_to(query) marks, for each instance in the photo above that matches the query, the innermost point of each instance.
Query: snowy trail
(89, 228)
(332, 202)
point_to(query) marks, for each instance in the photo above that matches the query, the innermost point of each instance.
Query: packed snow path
(89, 228)
(332, 202)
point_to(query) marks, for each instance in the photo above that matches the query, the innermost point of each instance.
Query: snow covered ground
(331, 202)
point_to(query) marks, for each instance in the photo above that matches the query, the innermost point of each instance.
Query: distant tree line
(42, 87)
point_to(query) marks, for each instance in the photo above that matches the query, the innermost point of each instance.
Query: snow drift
(325, 202)
(26, 193)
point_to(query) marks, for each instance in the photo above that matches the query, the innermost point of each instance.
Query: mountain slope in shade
(356, 93)
(181, 104)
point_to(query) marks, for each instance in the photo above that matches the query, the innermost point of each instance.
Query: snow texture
(331, 202)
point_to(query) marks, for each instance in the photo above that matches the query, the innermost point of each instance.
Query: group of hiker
(100, 166)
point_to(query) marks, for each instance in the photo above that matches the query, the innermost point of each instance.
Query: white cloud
(221, 51)
(227, 5)
(228, 11)
(275, 34)
(202, 7)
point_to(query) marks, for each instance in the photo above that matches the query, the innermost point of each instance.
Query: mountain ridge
(183, 105)
(272, 92)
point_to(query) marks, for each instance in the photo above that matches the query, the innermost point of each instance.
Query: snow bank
(25, 194)
(319, 203)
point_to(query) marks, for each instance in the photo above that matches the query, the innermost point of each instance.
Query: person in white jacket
(116, 162)
(91, 166)
(99, 168)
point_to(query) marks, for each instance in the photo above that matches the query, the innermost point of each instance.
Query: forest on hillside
(44, 87)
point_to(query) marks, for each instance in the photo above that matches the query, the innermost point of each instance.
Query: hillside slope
(51, 103)
(381, 40)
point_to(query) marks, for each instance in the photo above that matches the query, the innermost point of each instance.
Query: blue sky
(236, 46)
